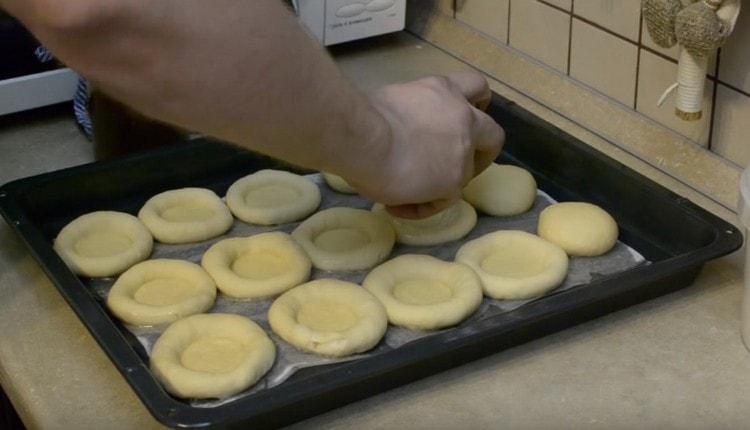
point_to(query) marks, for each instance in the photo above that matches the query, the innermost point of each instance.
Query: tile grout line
(604, 29)
(638, 60)
(596, 133)
(507, 37)
(658, 54)
(714, 80)
(554, 6)
(638, 43)
(570, 35)
(599, 134)
(712, 119)
(732, 87)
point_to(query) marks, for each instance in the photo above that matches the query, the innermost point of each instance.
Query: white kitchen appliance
(337, 21)
(28, 77)
(35, 90)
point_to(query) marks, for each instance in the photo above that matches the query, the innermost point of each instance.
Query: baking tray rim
(180, 414)
(175, 413)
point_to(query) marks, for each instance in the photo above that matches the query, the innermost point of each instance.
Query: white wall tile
(603, 61)
(732, 127)
(488, 16)
(564, 4)
(619, 16)
(540, 31)
(735, 55)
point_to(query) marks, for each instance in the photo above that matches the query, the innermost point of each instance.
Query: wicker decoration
(700, 27)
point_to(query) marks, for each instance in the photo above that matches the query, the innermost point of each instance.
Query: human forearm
(271, 88)
(246, 72)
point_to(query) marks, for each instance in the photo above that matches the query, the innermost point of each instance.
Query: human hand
(439, 140)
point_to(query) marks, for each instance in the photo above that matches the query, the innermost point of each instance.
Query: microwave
(338, 21)
(26, 80)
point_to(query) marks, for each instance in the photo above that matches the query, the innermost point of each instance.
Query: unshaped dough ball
(338, 183)
(104, 243)
(514, 264)
(161, 291)
(329, 317)
(186, 215)
(257, 266)
(581, 229)
(211, 355)
(270, 197)
(345, 239)
(448, 225)
(502, 190)
(421, 292)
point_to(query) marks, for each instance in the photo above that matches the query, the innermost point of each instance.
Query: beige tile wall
(488, 16)
(540, 31)
(563, 4)
(732, 125)
(620, 16)
(605, 45)
(603, 61)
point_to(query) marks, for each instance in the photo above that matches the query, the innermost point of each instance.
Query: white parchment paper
(288, 359)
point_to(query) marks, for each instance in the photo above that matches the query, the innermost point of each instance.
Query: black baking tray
(675, 235)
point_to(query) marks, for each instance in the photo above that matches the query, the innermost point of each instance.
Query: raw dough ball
(103, 243)
(581, 229)
(211, 355)
(186, 215)
(451, 224)
(338, 183)
(345, 239)
(257, 266)
(329, 317)
(502, 190)
(161, 291)
(515, 264)
(421, 292)
(269, 197)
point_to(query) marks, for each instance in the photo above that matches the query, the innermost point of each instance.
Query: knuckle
(437, 81)
(465, 114)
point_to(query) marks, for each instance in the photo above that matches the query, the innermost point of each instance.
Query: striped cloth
(81, 108)
(80, 99)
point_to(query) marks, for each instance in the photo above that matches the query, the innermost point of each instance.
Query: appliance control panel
(337, 21)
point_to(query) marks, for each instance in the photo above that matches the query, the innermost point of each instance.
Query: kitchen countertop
(676, 361)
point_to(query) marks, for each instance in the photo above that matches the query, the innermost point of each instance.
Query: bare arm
(245, 71)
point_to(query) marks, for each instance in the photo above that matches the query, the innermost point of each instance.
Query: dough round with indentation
(161, 291)
(257, 266)
(329, 317)
(211, 355)
(581, 229)
(345, 239)
(421, 292)
(514, 264)
(502, 190)
(338, 183)
(186, 215)
(270, 197)
(450, 224)
(104, 243)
